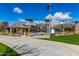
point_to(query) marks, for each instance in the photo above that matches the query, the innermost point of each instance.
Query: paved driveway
(35, 47)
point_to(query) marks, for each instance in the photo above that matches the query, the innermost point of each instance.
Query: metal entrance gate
(38, 29)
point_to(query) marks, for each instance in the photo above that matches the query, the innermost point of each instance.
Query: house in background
(71, 27)
(76, 28)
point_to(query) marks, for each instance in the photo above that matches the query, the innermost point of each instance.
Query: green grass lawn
(7, 51)
(71, 39)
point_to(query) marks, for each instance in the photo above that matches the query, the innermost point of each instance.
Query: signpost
(52, 31)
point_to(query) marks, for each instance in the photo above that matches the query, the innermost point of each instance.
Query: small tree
(3, 25)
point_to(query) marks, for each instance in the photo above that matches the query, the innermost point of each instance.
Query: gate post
(29, 26)
(47, 23)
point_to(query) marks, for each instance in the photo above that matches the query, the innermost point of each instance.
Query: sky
(16, 12)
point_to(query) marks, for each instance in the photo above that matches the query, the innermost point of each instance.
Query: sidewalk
(35, 47)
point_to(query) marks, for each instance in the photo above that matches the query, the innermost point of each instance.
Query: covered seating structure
(17, 30)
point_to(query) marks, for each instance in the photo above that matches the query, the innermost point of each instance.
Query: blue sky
(36, 11)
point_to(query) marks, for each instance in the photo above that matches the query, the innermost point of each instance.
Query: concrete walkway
(35, 47)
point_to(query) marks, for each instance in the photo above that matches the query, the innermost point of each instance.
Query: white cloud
(61, 16)
(49, 16)
(38, 22)
(17, 10)
(22, 20)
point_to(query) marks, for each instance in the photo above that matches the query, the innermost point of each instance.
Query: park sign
(52, 31)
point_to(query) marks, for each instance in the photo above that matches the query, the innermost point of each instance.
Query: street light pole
(49, 11)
